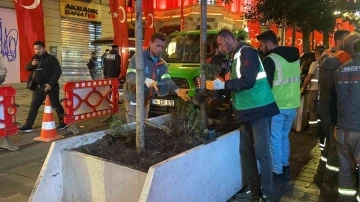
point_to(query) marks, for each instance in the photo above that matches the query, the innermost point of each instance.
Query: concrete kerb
(210, 172)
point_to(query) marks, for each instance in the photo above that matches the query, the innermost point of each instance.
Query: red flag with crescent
(30, 20)
(299, 42)
(182, 19)
(148, 9)
(120, 26)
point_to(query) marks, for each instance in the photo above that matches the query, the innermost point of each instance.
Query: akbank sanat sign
(80, 10)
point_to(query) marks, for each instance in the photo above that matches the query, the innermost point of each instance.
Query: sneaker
(286, 171)
(62, 126)
(25, 129)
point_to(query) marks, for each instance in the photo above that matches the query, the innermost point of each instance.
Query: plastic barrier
(8, 110)
(90, 99)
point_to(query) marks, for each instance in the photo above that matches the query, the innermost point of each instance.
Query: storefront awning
(110, 40)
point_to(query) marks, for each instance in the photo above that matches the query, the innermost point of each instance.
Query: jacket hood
(290, 54)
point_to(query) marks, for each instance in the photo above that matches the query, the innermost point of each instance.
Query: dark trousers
(255, 145)
(329, 163)
(92, 73)
(38, 97)
(348, 150)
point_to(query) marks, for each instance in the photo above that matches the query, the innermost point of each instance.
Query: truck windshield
(186, 48)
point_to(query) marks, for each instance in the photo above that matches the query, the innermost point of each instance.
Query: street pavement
(19, 170)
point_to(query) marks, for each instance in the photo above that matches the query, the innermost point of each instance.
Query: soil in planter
(159, 147)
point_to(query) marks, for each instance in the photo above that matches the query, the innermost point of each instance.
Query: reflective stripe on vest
(332, 168)
(280, 80)
(286, 83)
(165, 76)
(347, 192)
(358, 198)
(261, 74)
(131, 70)
(259, 95)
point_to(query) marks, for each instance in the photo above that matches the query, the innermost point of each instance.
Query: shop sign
(80, 10)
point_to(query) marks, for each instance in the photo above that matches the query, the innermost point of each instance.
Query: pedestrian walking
(43, 80)
(92, 65)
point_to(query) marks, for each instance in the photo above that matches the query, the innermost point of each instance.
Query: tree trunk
(283, 30)
(293, 41)
(306, 42)
(203, 50)
(140, 107)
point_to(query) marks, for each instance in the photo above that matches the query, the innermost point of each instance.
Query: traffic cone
(48, 129)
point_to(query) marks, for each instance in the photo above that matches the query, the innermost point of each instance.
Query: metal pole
(140, 107)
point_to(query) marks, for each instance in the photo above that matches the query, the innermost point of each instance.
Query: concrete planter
(209, 172)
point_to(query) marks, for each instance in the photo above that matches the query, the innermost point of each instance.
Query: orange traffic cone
(48, 130)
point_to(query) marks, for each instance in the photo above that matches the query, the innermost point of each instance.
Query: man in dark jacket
(112, 64)
(92, 65)
(155, 70)
(347, 84)
(45, 72)
(282, 66)
(327, 171)
(254, 105)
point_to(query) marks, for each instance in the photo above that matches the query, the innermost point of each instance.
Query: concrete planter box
(209, 172)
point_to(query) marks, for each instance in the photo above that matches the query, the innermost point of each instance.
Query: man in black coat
(112, 63)
(45, 72)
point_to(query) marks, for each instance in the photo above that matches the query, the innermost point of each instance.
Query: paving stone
(312, 191)
(305, 179)
(311, 197)
(306, 175)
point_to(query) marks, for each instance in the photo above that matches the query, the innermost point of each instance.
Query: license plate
(161, 102)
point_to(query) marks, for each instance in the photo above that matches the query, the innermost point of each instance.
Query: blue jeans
(254, 145)
(279, 141)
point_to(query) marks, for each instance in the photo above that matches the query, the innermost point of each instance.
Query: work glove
(151, 83)
(215, 85)
(183, 94)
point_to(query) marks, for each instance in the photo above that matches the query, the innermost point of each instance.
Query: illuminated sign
(80, 10)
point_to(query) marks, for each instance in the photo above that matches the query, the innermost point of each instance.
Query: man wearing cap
(112, 63)
(155, 70)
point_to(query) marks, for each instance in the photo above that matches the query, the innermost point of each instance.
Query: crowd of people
(265, 95)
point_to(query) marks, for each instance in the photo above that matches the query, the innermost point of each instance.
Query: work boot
(328, 193)
(318, 179)
(25, 129)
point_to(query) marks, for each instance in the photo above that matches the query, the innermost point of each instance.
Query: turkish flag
(182, 19)
(288, 37)
(148, 9)
(254, 31)
(299, 42)
(30, 20)
(120, 26)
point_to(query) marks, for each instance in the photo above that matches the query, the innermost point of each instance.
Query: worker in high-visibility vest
(311, 85)
(282, 66)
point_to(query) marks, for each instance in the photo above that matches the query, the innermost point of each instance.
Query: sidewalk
(19, 170)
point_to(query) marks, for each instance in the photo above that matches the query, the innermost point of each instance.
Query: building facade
(69, 30)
